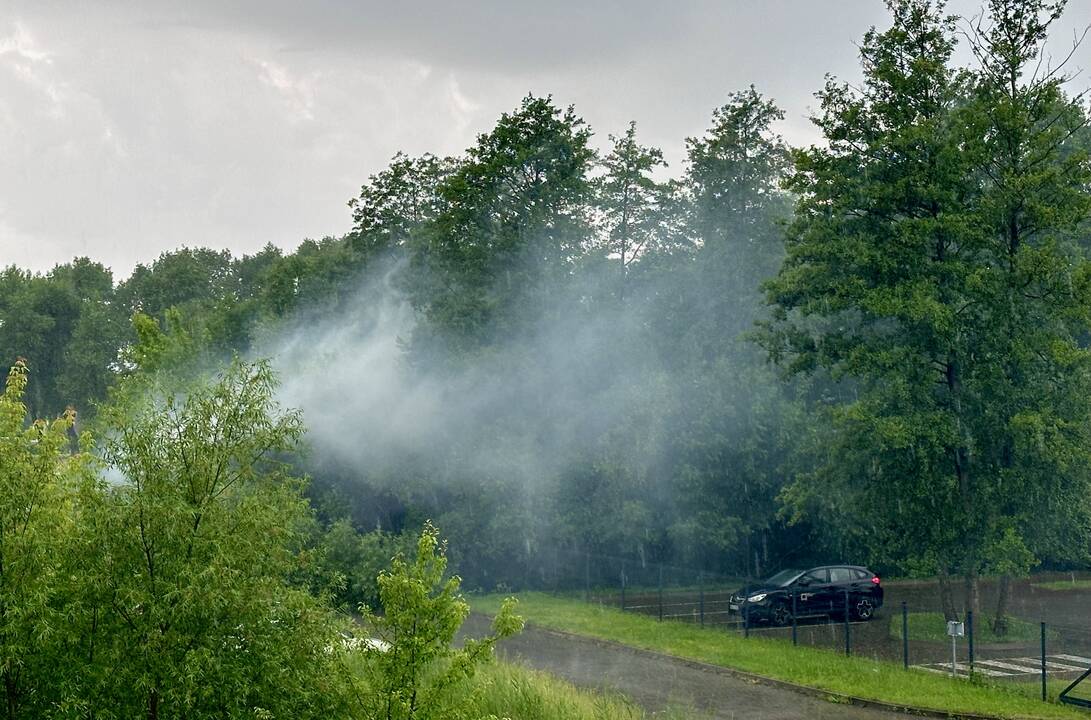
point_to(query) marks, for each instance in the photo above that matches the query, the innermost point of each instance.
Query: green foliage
(513, 218)
(396, 203)
(360, 558)
(631, 202)
(930, 269)
(416, 673)
(37, 478)
(184, 605)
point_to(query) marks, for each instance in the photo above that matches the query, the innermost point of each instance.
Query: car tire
(864, 609)
(781, 615)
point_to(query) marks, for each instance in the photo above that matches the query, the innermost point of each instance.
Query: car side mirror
(803, 582)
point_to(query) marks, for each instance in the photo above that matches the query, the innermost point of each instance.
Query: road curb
(830, 696)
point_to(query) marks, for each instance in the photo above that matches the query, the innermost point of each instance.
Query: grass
(1060, 585)
(933, 626)
(501, 690)
(510, 691)
(812, 667)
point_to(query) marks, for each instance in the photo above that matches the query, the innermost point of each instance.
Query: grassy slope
(821, 669)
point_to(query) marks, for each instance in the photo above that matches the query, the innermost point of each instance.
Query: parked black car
(819, 592)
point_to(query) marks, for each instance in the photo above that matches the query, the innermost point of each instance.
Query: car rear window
(840, 575)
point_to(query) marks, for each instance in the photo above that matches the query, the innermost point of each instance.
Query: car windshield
(783, 578)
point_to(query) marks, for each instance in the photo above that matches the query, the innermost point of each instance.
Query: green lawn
(812, 667)
(1064, 585)
(933, 626)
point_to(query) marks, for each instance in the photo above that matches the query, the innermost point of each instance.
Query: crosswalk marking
(1009, 666)
(961, 668)
(1036, 663)
(984, 671)
(1074, 658)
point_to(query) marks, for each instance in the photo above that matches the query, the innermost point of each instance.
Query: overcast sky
(129, 128)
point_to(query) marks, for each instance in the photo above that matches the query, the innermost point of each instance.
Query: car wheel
(782, 615)
(865, 609)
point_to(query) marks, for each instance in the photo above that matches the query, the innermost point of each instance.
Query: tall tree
(1034, 198)
(394, 203)
(630, 200)
(896, 283)
(514, 220)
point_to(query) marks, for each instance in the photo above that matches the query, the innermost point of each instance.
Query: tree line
(874, 349)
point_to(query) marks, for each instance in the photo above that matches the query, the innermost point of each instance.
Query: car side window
(840, 575)
(817, 577)
(860, 574)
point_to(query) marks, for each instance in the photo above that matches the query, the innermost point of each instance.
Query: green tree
(630, 200)
(733, 178)
(414, 673)
(1034, 199)
(38, 479)
(513, 222)
(188, 608)
(187, 277)
(898, 283)
(394, 203)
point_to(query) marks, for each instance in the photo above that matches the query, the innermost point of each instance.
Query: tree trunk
(972, 600)
(1000, 621)
(947, 595)
(153, 705)
(12, 694)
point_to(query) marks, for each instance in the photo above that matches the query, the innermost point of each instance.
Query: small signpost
(956, 630)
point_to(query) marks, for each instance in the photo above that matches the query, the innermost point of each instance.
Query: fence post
(905, 634)
(1043, 660)
(848, 631)
(970, 639)
(622, 586)
(795, 624)
(701, 590)
(660, 591)
(746, 616)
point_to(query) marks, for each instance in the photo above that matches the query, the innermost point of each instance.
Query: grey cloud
(129, 128)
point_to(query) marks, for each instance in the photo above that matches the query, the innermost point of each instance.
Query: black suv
(819, 592)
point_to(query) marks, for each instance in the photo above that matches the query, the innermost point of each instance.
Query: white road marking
(983, 671)
(1025, 670)
(1073, 658)
(1037, 663)
(962, 669)
(1017, 666)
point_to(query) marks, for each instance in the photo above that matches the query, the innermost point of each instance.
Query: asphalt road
(658, 682)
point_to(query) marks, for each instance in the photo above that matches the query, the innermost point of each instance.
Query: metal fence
(1046, 642)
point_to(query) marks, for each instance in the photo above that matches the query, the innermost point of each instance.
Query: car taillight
(874, 580)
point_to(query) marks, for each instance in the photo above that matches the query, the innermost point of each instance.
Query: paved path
(657, 682)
